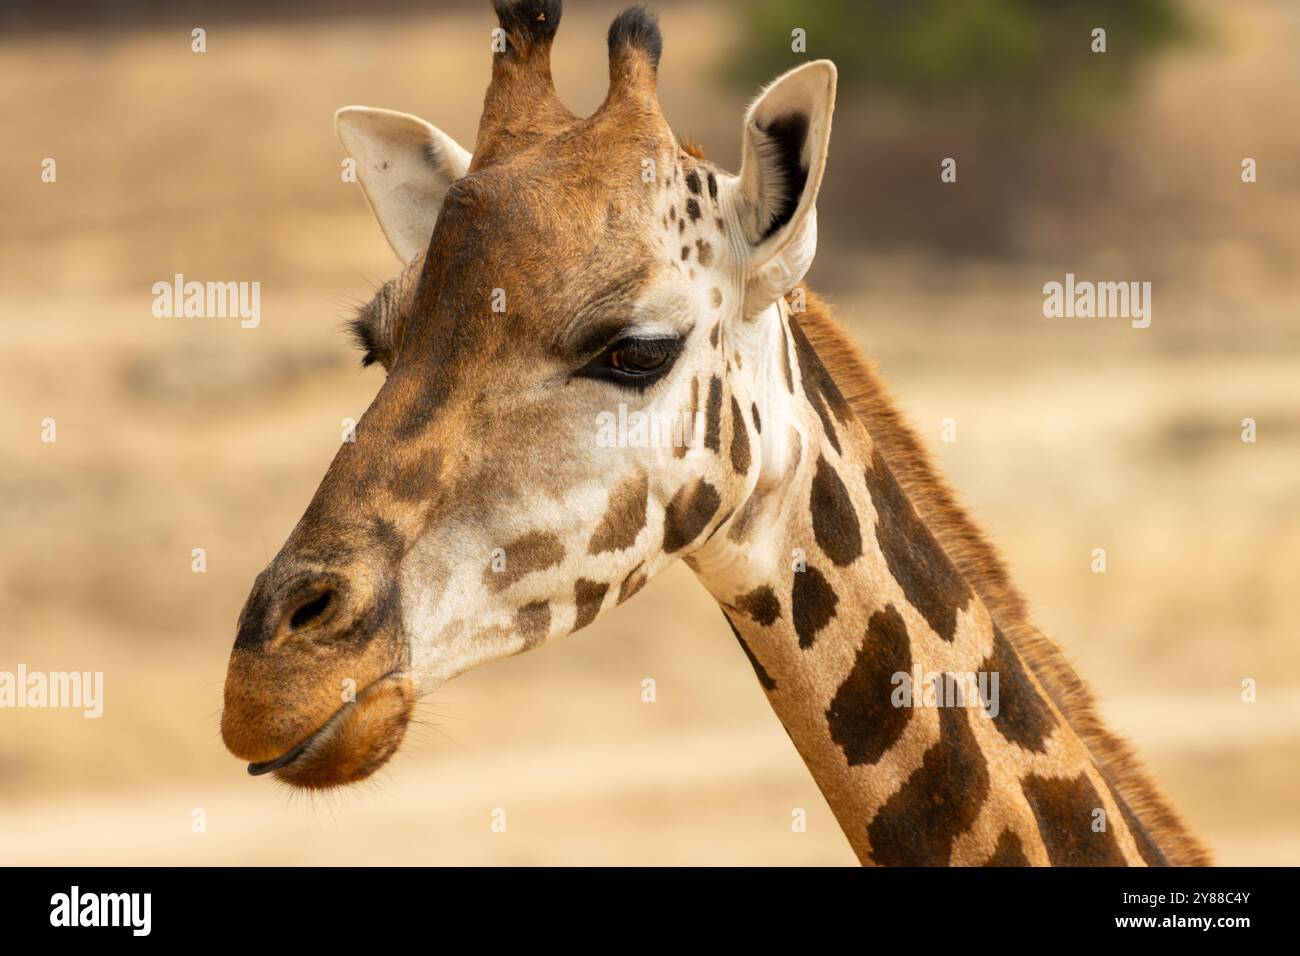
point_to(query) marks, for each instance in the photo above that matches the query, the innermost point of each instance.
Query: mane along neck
(983, 569)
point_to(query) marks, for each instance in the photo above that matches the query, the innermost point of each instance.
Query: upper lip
(297, 750)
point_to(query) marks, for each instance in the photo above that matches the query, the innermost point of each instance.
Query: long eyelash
(663, 346)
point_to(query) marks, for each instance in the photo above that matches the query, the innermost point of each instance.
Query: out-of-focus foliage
(987, 61)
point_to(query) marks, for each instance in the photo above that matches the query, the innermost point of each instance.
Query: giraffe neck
(847, 607)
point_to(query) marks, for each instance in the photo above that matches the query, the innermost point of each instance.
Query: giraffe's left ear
(786, 135)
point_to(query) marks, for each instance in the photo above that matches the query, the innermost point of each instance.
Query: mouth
(353, 743)
(266, 766)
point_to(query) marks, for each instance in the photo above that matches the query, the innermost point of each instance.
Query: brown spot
(713, 186)
(812, 604)
(835, 523)
(688, 514)
(810, 364)
(722, 226)
(1008, 852)
(815, 400)
(1065, 811)
(672, 213)
(693, 182)
(686, 253)
(681, 226)
(713, 334)
(863, 720)
(739, 441)
(533, 621)
(713, 416)
(937, 803)
(689, 430)
(534, 551)
(758, 424)
(704, 252)
(624, 516)
(761, 604)
(634, 581)
(764, 678)
(1022, 718)
(715, 296)
(693, 209)
(928, 579)
(819, 387)
(587, 596)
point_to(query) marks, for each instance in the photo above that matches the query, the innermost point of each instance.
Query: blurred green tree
(983, 62)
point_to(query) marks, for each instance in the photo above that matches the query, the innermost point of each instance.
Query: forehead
(560, 232)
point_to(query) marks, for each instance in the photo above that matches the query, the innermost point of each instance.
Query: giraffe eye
(635, 362)
(642, 356)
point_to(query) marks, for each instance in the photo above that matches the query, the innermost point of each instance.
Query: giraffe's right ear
(786, 135)
(404, 166)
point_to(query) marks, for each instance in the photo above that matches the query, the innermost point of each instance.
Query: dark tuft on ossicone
(637, 27)
(528, 21)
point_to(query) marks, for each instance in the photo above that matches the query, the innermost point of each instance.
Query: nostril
(314, 610)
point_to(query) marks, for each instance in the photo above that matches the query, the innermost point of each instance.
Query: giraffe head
(576, 376)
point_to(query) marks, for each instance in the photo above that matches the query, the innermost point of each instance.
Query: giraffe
(569, 268)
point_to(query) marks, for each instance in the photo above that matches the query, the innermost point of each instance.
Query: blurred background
(175, 434)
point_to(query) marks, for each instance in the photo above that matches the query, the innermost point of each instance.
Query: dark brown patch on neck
(812, 604)
(1023, 717)
(939, 801)
(739, 440)
(815, 376)
(1008, 852)
(761, 604)
(862, 718)
(929, 580)
(835, 523)
(1065, 810)
(818, 386)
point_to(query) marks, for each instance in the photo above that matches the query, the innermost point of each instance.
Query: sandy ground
(177, 434)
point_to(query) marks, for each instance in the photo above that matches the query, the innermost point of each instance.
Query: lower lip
(266, 766)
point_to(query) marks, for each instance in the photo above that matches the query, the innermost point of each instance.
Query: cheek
(491, 582)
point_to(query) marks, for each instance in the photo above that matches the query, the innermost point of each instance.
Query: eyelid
(598, 366)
